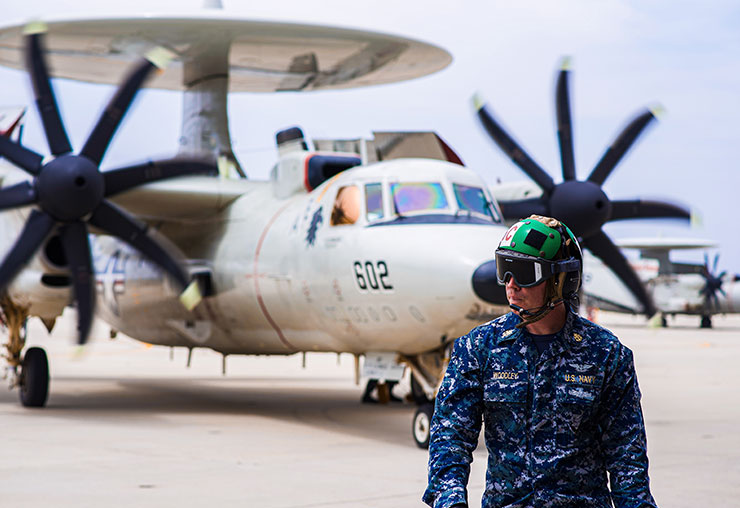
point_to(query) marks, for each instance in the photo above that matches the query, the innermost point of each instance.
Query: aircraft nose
(486, 286)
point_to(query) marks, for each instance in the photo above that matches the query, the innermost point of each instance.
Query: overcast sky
(625, 55)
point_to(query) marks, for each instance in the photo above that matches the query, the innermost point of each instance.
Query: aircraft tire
(34, 385)
(422, 425)
(706, 322)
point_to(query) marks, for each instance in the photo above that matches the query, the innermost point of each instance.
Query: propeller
(582, 204)
(69, 192)
(712, 284)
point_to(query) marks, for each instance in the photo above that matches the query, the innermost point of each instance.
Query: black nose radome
(486, 286)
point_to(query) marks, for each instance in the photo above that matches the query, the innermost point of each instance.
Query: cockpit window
(374, 198)
(347, 206)
(473, 199)
(416, 197)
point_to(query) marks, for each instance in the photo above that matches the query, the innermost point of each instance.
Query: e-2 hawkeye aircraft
(330, 254)
(676, 287)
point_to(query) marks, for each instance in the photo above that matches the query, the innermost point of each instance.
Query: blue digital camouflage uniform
(554, 424)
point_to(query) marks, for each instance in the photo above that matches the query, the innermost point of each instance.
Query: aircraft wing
(664, 244)
(194, 197)
(601, 288)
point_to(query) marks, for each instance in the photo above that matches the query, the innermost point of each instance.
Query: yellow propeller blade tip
(655, 321)
(657, 110)
(224, 166)
(191, 297)
(696, 220)
(478, 101)
(160, 57)
(79, 352)
(35, 27)
(565, 63)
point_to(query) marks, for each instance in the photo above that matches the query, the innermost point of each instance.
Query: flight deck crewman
(558, 393)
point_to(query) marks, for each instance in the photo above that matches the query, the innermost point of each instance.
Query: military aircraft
(307, 261)
(390, 259)
(676, 287)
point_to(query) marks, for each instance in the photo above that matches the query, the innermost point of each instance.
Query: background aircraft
(676, 287)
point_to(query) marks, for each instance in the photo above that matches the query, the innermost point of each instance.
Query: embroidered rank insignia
(507, 333)
(577, 337)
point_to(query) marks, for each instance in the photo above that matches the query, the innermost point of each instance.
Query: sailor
(558, 393)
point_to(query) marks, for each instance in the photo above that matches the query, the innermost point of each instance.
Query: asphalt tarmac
(126, 425)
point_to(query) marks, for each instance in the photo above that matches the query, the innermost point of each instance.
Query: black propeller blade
(565, 128)
(46, 103)
(512, 149)
(712, 285)
(582, 204)
(70, 190)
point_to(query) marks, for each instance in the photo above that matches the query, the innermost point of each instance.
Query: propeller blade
(100, 137)
(565, 127)
(37, 228)
(123, 179)
(619, 147)
(716, 260)
(515, 210)
(602, 246)
(110, 218)
(46, 103)
(16, 195)
(77, 250)
(512, 149)
(28, 160)
(643, 209)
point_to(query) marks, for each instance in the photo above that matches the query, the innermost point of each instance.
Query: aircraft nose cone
(486, 286)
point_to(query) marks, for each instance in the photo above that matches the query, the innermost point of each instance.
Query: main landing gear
(30, 372)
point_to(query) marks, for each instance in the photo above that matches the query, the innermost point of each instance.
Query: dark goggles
(529, 271)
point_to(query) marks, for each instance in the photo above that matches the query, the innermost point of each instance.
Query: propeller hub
(582, 206)
(70, 187)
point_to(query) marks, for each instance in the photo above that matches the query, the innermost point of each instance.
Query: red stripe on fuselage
(256, 278)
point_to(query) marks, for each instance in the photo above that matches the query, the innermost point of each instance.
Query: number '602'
(372, 276)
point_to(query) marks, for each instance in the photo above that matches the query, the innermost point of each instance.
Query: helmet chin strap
(533, 315)
(530, 316)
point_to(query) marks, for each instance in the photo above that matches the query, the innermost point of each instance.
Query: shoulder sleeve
(623, 432)
(455, 425)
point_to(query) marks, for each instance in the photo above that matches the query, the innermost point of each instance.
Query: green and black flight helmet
(532, 251)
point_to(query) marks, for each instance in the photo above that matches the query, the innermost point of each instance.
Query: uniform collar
(571, 335)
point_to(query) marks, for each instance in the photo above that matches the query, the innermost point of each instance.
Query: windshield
(417, 197)
(374, 198)
(473, 199)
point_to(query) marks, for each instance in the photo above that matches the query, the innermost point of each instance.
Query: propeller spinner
(69, 192)
(582, 204)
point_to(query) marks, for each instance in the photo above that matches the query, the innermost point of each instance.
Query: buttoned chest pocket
(505, 399)
(576, 402)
